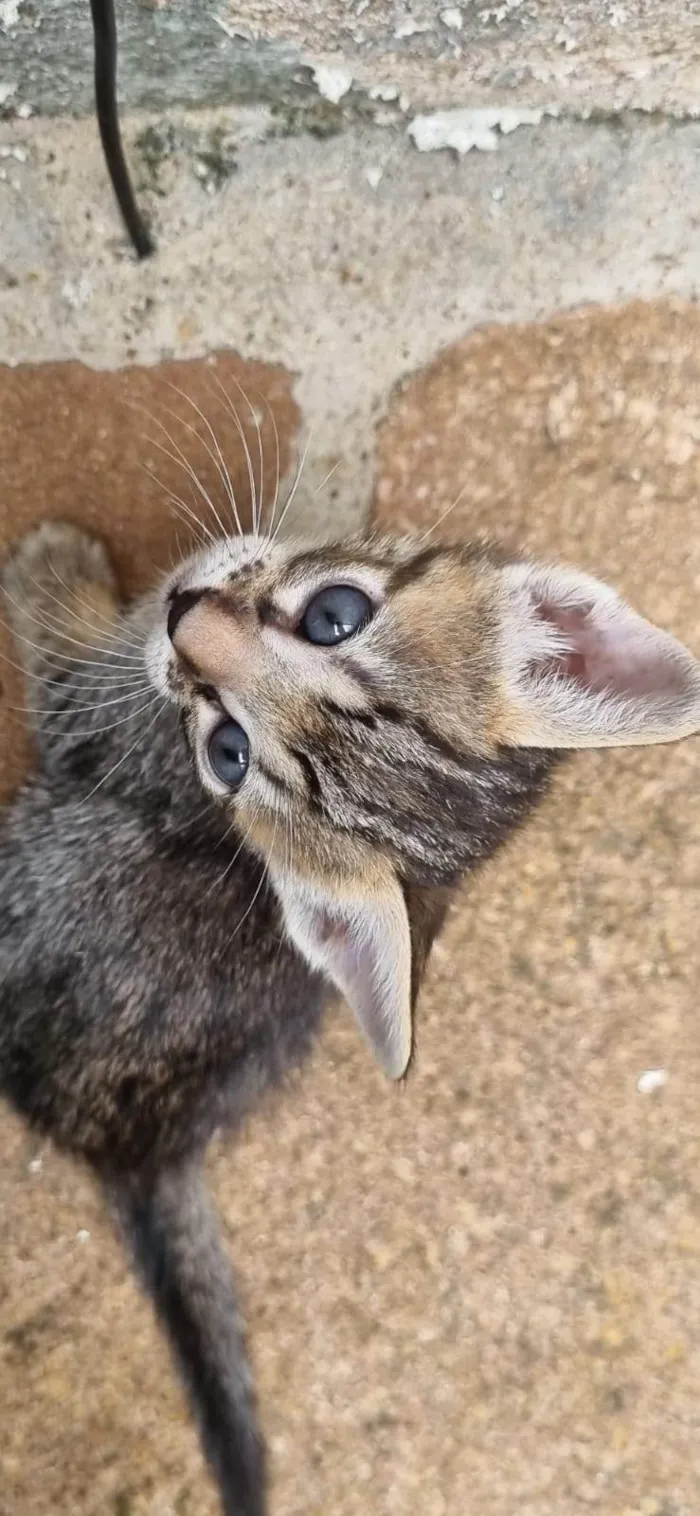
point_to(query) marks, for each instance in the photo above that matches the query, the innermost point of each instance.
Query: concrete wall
(580, 54)
(344, 188)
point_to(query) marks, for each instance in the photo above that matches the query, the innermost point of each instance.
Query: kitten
(262, 782)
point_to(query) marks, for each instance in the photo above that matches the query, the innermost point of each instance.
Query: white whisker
(217, 458)
(329, 475)
(275, 498)
(246, 450)
(424, 538)
(292, 493)
(114, 623)
(124, 756)
(179, 458)
(186, 515)
(70, 658)
(68, 733)
(263, 875)
(56, 628)
(73, 674)
(218, 882)
(80, 705)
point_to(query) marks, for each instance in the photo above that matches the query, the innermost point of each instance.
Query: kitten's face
(342, 698)
(373, 696)
(378, 715)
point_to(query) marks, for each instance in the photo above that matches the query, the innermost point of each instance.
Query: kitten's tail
(174, 1239)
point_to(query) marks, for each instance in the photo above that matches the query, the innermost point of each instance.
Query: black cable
(105, 34)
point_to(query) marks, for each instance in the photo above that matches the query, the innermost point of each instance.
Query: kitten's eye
(229, 753)
(334, 614)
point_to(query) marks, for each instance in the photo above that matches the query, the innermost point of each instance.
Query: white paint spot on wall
(410, 27)
(480, 128)
(452, 17)
(8, 88)
(332, 83)
(9, 13)
(374, 176)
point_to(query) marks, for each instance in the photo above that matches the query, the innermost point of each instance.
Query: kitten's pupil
(335, 613)
(229, 753)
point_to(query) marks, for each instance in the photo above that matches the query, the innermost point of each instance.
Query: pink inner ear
(614, 650)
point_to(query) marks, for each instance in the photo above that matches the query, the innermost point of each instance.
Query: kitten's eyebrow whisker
(275, 498)
(441, 518)
(217, 459)
(276, 435)
(292, 492)
(179, 459)
(329, 475)
(226, 401)
(256, 423)
(246, 400)
(186, 515)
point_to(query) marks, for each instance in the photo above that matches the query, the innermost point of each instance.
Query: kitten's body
(152, 980)
(145, 958)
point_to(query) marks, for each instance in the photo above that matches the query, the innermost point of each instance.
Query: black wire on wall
(105, 35)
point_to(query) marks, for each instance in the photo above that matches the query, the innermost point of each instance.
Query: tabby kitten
(347, 730)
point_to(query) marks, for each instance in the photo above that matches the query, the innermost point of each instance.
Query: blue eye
(229, 753)
(334, 614)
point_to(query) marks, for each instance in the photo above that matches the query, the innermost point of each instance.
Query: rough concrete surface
(478, 1295)
(349, 260)
(581, 54)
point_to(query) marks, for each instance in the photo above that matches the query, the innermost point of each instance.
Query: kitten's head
(379, 714)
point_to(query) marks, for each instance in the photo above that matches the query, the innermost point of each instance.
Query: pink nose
(215, 640)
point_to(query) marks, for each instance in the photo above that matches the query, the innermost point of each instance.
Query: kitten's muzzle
(211, 635)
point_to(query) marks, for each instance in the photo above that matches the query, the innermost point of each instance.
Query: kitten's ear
(361, 943)
(582, 669)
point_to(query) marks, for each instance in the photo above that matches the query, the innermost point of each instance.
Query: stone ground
(478, 1294)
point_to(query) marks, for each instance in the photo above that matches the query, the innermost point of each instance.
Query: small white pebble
(373, 177)
(82, 1235)
(651, 1080)
(452, 17)
(35, 1165)
(497, 192)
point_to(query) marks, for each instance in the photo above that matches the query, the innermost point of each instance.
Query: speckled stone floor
(478, 1295)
